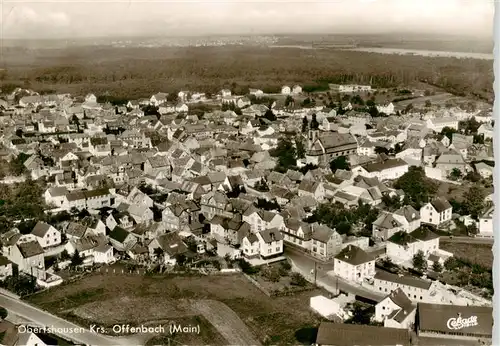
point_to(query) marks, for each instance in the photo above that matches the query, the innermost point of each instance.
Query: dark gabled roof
(119, 234)
(40, 229)
(354, 255)
(434, 318)
(409, 213)
(321, 233)
(30, 249)
(340, 334)
(9, 335)
(270, 235)
(387, 221)
(387, 164)
(252, 238)
(399, 298)
(172, 244)
(76, 229)
(4, 261)
(402, 238)
(423, 234)
(406, 280)
(441, 204)
(308, 185)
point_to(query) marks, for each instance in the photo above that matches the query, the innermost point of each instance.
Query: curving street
(62, 327)
(304, 264)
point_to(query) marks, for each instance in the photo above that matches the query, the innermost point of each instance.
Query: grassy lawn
(476, 253)
(208, 334)
(134, 299)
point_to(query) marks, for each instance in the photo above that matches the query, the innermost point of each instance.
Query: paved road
(467, 240)
(304, 264)
(61, 327)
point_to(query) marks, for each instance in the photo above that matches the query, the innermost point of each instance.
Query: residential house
(141, 213)
(354, 264)
(451, 160)
(328, 123)
(74, 230)
(383, 169)
(409, 217)
(170, 246)
(85, 246)
(88, 199)
(232, 230)
(104, 254)
(298, 233)
(256, 92)
(416, 289)
(46, 234)
(260, 220)
(215, 203)
(486, 171)
(386, 109)
(486, 223)
(158, 99)
(402, 246)
(486, 130)
(313, 189)
(177, 216)
(436, 212)
(250, 246)
(285, 90)
(270, 243)
(396, 310)
(5, 268)
(296, 90)
(54, 196)
(138, 197)
(18, 335)
(225, 93)
(385, 226)
(438, 124)
(326, 242)
(121, 239)
(28, 254)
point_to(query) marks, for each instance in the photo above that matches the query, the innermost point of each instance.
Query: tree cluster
(336, 216)
(417, 187)
(102, 70)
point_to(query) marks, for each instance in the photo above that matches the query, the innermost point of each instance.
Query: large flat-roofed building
(338, 334)
(455, 322)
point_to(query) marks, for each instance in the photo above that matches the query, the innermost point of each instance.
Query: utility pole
(315, 272)
(337, 285)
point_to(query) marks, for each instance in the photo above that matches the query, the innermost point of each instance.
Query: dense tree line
(138, 72)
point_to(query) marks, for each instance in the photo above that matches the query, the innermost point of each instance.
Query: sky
(52, 19)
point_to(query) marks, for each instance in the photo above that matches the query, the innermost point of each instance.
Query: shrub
(298, 280)
(271, 274)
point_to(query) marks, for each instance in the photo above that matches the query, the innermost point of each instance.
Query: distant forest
(139, 72)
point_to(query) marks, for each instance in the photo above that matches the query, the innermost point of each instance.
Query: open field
(456, 192)
(476, 253)
(139, 72)
(208, 334)
(230, 303)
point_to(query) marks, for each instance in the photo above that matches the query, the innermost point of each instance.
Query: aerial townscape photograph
(246, 173)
